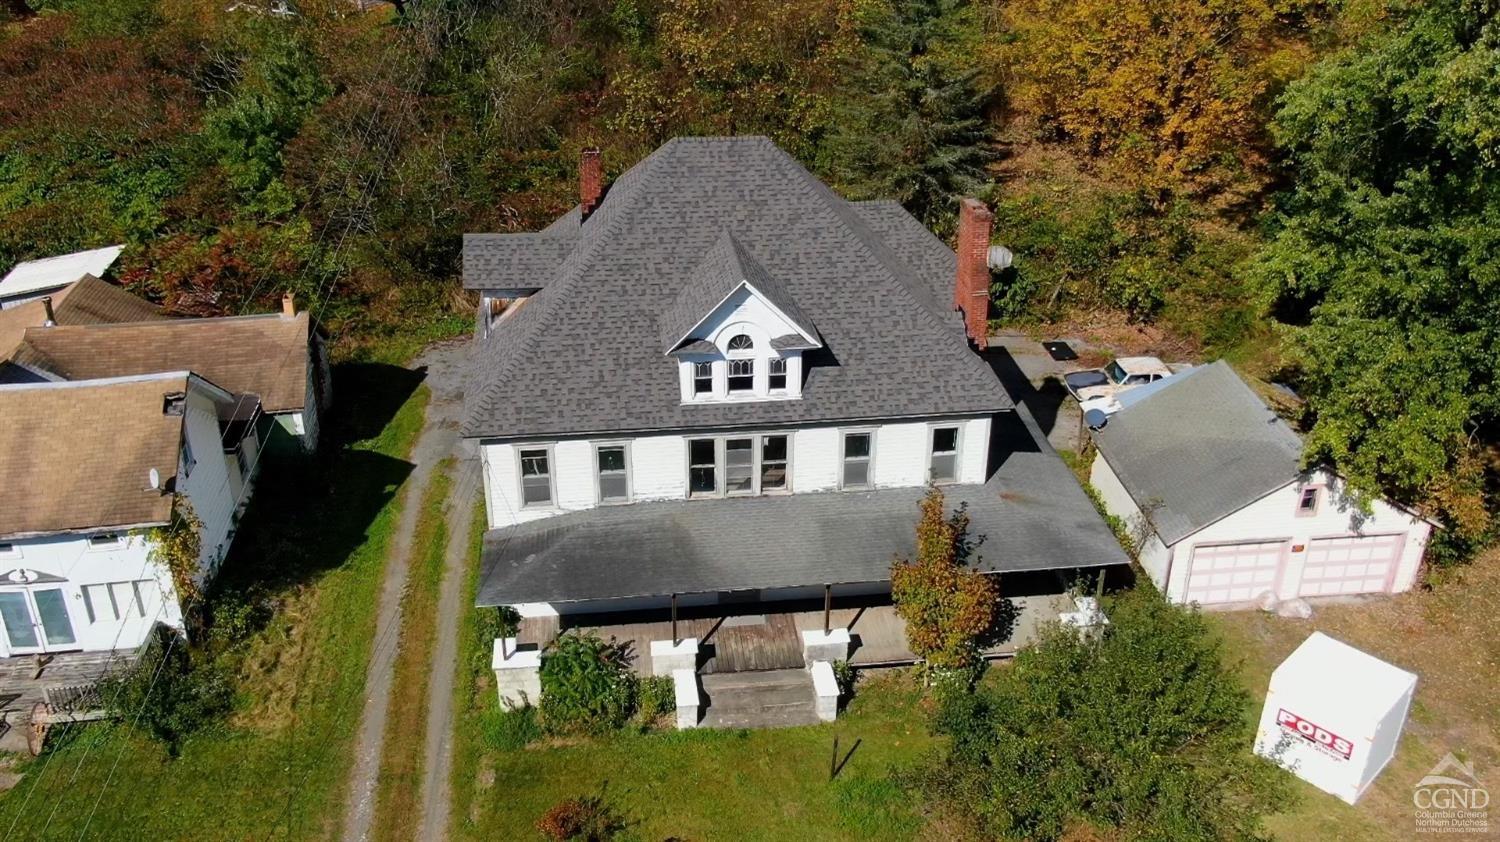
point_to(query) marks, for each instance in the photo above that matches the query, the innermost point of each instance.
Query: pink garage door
(1233, 572)
(1358, 564)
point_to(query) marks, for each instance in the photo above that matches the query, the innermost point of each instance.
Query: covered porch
(768, 636)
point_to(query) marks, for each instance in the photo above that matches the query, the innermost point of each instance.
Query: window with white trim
(114, 601)
(703, 468)
(856, 468)
(614, 482)
(536, 477)
(776, 374)
(1307, 504)
(106, 541)
(188, 462)
(773, 463)
(739, 466)
(741, 342)
(943, 464)
(741, 376)
(703, 379)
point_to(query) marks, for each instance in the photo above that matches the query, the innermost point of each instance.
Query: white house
(720, 382)
(92, 471)
(32, 279)
(1210, 481)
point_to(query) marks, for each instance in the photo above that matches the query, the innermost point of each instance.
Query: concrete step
(771, 699)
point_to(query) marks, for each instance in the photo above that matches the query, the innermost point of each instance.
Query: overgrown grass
(700, 785)
(317, 540)
(398, 798)
(1447, 636)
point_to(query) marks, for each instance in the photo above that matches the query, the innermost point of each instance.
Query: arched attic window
(741, 365)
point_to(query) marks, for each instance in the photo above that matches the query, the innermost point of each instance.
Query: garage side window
(1307, 502)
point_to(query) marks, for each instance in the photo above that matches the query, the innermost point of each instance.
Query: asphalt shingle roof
(266, 355)
(1032, 514)
(726, 266)
(76, 456)
(585, 354)
(86, 301)
(514, 261)
(1202, 447)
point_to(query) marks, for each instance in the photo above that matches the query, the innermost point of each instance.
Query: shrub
(1142, 729)
(844, 674)
(165, 695)
(945, 606)
(587, 818)
(655, 697)
(587, 685)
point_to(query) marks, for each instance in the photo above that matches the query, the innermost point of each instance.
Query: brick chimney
(288, 306)
(590, 181)
(971, 288)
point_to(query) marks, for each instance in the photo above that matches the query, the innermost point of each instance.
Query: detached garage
(1209, 481)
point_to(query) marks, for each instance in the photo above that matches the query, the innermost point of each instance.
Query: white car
(1098, 388)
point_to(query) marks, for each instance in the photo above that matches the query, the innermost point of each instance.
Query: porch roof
(1030, 515)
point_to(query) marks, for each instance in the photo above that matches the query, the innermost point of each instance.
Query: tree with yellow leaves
(945, 605)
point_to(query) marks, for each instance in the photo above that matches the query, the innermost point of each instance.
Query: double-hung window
(748, 465)
(739, 466)
(773, 463)
(856, 472)
(614, 481)
(776, 374)
(703, 468)
(944, 458)
(703, 379)
(536, 477)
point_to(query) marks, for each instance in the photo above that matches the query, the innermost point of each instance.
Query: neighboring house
(1210, 481)
(87, 301)
(91, 469)
(35, 278)
(721, 381)
(277, 357)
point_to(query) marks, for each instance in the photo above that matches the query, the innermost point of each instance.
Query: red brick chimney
(971, 289)
(590, 181)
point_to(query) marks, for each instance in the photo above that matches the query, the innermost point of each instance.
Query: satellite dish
(154, 478)
(1095, 418)
(1000, 257)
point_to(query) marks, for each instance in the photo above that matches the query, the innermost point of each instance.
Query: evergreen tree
(913, 126)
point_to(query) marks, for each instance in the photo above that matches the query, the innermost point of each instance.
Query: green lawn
(313, 547)
(700, 785)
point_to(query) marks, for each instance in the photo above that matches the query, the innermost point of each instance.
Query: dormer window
(703, 379)
(741, 343)
(776, 374)
(741, 376)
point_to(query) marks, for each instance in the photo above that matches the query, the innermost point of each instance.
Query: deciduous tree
(945, 605)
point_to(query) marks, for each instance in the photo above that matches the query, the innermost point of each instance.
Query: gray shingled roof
(584, 355)
(1201, 448)
(514, 261)
(1031, 512)
(724, 269)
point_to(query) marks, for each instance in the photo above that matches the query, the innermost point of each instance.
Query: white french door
(36, 620)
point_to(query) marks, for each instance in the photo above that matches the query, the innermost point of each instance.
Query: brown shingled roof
(87, 301)
(76, 456)
(265, 355)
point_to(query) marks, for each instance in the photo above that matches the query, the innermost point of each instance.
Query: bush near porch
(294, 631)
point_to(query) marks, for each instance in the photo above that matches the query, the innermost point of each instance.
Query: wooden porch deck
(21, 687)
(744, 642)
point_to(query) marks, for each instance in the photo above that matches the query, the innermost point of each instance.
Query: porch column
(518, 674)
